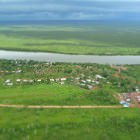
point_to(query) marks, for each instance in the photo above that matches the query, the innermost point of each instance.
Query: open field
(59, 84)
(84, 39)
(70, 124)
(55, 95)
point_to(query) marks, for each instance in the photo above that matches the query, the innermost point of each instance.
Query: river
(54, 57)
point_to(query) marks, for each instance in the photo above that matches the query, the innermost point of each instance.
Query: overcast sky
(69, 9)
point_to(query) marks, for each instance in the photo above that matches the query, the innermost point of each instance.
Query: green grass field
(70, 124)
(56, 94)
(96, 39)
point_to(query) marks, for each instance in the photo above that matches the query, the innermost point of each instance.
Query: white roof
(126, 105)
(63, 78)
(8, 81)
(18, 80)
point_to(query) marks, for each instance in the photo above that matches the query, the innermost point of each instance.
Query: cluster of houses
(138, 98)
(128, 99)
(58, 80)
(124, 103)
(14, 71)
(90, 82)
(82, 82)
(9, 82)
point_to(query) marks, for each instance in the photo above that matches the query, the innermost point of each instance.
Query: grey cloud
(68, 9)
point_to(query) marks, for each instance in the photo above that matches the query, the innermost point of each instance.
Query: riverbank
(67, 58)
(69, 53)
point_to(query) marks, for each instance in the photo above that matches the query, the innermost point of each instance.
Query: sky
(69, 10)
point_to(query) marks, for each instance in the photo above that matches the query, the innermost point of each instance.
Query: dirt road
(51, 107)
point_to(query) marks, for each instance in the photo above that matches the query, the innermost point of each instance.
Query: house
(97, 82)
(18, 71)
(62, 83)
(138, 98)
(77, 78)
(57, 79)
(39, 80)
(52, 80)
(25, 81)
(137, 90)
(88, 80)
(83, 84)
(128, 99)
(8, 82)
(83, 81)
(63, 79)
(93, 81)
(126, 105)
(99, 77)
(31, 81)
(122, 102)
(89, 86)
(18, 80)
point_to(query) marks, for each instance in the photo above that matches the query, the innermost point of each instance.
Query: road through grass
(57, 107)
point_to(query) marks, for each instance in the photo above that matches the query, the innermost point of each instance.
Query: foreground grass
(70, 124)
(56, 94)
(102, 40)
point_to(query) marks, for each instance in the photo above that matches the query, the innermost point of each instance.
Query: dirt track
(60, 107)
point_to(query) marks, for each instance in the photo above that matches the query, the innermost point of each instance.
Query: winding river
(54, 57)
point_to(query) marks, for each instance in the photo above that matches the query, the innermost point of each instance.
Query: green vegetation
(70, 124)
(56, 95)
(43, 83)
(84, 39)
(87, 76)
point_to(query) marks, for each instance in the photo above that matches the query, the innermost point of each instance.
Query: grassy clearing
(55, 94)
(70, 124)
(72, 39)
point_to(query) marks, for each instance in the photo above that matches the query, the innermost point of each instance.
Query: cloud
(68, 9)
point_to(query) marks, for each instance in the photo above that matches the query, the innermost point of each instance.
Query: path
(59, 107)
